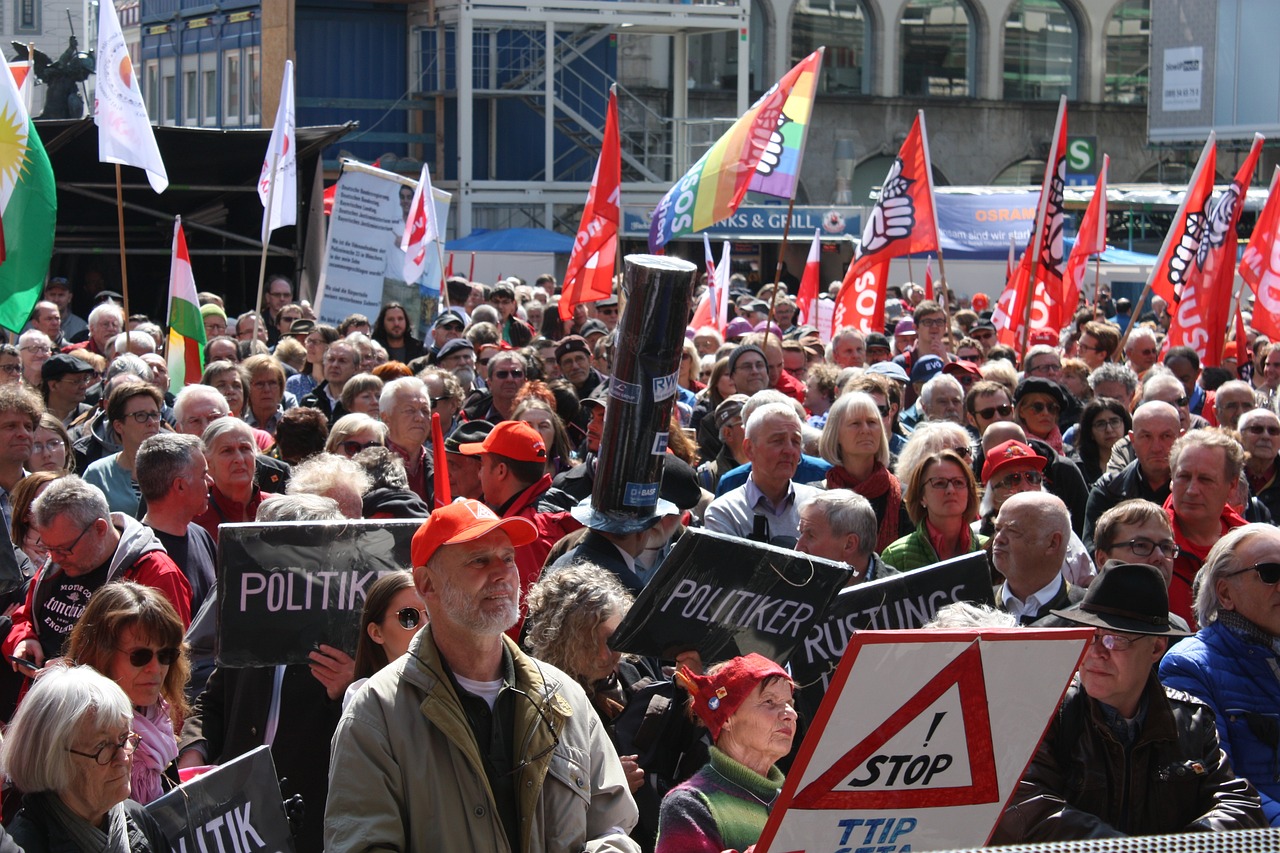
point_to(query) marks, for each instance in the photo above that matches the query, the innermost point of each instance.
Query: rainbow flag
(186, 326)
(717, 183)
(779, 168)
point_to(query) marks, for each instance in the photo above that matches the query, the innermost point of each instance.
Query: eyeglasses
(1268, 573)
(991, 411)
(483, 362)
(966, 451)
(1116, 423)
(1259, 429)
(932, 323)
(542, 715)
(351, 448)
(508, 374)
(435, 401)
(152, 416)
(107, 752)
(1181, 402)
(1086, 348)
(752, 366)
(884, 410)
(1040, 407)
(982, 336)
(53, 445)
(608, 312)
(941, 484)
(138, 658)
(410, 617)
(67, 549)
(1017, 478)
(1113, 642)
(1144, 547)
(1047, 367)
(37, 350)
(12, 369)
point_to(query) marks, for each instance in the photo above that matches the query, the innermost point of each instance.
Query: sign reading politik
(286, 587)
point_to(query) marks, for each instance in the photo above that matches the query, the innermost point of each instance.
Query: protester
(234, 494)
(854, 442)
(1260, 437)
(317, 342)
(1155, 428)
(353, 433)
(841, 525)
(942, 498)
(392, 616)
(23, 533)
(1103, 422)
(133, 412)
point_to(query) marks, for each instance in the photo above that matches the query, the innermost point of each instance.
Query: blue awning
(512, 240)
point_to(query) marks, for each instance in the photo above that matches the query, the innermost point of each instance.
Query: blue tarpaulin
(526, 240)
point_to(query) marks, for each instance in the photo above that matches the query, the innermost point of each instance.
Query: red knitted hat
(716, 697)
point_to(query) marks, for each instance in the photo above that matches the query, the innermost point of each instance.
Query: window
(151, 92)
(231, 90)
(27, 16)
(1024, 173)
(1041, 46)
(210, 112)
(713, 58)
(253, 86)
(169, 98)
(937, 49)
(190, 98)
(842, 26)
(1128, 42)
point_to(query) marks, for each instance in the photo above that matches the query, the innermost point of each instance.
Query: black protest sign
(907, 600)
(286, 587)
(724, 596)
(236, 807)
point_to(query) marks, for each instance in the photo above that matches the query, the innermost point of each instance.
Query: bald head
(1032, 531)
(1156, 426)
(1000, 432)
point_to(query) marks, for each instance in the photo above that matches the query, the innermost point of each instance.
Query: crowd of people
(1111, 483)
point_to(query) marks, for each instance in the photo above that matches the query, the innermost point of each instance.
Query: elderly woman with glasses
(133, 412)
(355, 432)
(942, 498)
(1231, 662)
(70, 749)
(131, 634)
(854, 442)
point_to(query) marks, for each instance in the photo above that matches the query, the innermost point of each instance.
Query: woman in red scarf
(853, 440)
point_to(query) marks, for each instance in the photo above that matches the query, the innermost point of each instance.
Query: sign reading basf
(286, 587)
(235, 807)
(901, 756)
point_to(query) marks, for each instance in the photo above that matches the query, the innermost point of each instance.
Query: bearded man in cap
(508, 753)
(1126, 755)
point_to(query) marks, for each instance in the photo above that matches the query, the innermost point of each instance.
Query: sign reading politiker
(726, 596)
(286, 587)
(235, 807)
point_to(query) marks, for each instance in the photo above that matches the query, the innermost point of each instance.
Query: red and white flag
(1090, 240)
(1200, 316)
(903, 222)
(807, 296)
(124, 131)
(928, 278)
(707, 311)
(421, 230)
(589, 275)
(1260, 267)
(1173, 264)
(278, 181)
(24, 75)
(1045, 249)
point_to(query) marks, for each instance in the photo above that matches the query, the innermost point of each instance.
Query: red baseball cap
(465, 521)
(1048, 337)
(952, 368)
(513, 439)
(1009, 454)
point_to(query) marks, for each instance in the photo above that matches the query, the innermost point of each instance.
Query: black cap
(573, 343)
(594, 327)
(452, 346)
(448, 318)
(1126, 597)
(599, 396)
(875, 340)
(1040, 385)
(468, 432)
(60, 365)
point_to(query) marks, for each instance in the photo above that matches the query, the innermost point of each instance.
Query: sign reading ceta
(297, 588)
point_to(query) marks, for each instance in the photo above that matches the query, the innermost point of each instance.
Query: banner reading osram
(903, 222)
(1260, 264)
(715, 186)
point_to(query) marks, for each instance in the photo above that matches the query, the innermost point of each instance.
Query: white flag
(420, 231)
(281, 151)
(124, 131)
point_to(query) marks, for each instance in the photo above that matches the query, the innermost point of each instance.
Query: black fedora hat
(1126, 597)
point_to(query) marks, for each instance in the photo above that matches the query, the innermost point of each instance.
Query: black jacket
(1083, 783)
(36, 831)
(318, 399)
(1114, 488)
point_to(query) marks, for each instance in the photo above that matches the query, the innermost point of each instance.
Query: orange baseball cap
(513, 439)
(465, 521)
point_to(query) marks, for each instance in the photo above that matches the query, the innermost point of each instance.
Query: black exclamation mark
(937, 718)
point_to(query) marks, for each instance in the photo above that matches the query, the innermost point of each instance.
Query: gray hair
(845, 332)
(931, 387)
(348, 425)
(333, 476)
(766, 396)
(81, 502)
(223, 427)
(384, 467)
(485, 313)
(1114, 372)
(962, 614)
(102, 310)
(1140, 333)
(404, 386)
(299, 508)
(929, 438)
(127, 362)
(848, 513)
(1159, 374)
(31, 336)
(756, 421)
(846, 406)
(1221, 562)
(121, 342)
(190, 394)
(163, 458)
(1252, 415)
(63, 701)
(1038, 350)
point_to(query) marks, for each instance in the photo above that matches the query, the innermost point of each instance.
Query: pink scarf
(157, 750)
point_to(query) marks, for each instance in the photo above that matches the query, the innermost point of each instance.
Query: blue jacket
(1240, 680)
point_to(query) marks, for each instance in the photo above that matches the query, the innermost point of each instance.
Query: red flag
(706, 313)
(903, 222)
(1090, 240)
(1046, 244)
(928, 279)
(1260, 267)
(1200, 317)
(448, 270)
(589, 275)
(443, 497)
(808, 293)
(1180, 244)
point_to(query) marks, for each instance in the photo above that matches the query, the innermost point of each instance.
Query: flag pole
(266, 241)
(911, 273)
(777, 272)
(124, 269)
(1133, 317)
(1097, 279)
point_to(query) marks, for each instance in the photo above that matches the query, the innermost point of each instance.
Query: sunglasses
(138, 658)
(1268, 573)
(351, 448)
(1259, 430)
(1017, 478)
(991, 411)
(1040, 408)
(508, 374)
(410, 617)
(884, 410)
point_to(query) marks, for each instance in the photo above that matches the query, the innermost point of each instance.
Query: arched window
(1041, 50)
(713, 58)
(937, 49)
(870, 175)
(1127, 46)
(843, 26)
(1024, 173)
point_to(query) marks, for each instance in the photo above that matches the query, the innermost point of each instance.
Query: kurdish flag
(186, 326)
(28, 209)
(779, 168)
(717, 183)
